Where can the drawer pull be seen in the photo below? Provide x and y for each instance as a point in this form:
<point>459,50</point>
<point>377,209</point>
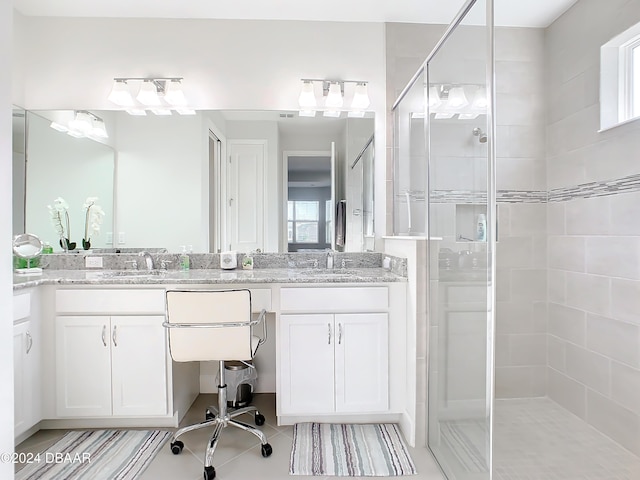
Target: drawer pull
<point>104,335</point>
<point>114,335</point>
<point>329,327</point>
<point>339,334</point>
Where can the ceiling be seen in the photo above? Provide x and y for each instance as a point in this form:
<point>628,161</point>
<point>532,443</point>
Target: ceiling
<point>521,13</point>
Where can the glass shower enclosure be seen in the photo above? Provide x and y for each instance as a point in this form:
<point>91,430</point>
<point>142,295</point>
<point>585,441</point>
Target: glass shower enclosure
<point>444,188</point>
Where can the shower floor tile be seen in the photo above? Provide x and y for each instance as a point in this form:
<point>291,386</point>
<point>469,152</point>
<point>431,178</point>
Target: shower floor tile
<point>537,439</point>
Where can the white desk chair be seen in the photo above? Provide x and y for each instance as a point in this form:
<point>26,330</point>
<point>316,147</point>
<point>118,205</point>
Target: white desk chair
<point>206,325</point>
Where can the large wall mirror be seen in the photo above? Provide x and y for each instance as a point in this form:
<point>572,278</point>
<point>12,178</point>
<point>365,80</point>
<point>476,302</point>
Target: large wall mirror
<point>168,181</point>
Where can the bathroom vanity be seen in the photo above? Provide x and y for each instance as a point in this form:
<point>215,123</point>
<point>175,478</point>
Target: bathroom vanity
<point>91,350</point>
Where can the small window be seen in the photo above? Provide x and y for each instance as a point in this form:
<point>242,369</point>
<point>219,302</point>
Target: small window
<point>620,79</point>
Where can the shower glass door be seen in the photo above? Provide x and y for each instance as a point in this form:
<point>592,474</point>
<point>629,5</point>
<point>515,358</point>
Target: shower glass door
<point>460,203</point>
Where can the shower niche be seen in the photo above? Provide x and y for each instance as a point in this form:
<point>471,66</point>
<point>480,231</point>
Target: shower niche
<point>471,223</point>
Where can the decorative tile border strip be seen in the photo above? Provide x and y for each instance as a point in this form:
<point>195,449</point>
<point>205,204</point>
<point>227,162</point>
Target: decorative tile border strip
<point>627,184</point>
<point>475,197</point>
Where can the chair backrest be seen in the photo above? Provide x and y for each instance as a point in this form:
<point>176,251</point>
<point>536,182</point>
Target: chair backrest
<point>190,344</point>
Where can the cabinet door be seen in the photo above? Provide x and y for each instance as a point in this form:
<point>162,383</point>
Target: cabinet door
<point>362,377</point>
<point>21,396</point>
<point>138,358</point>
<point>83,366</point>
<point>306,368</point>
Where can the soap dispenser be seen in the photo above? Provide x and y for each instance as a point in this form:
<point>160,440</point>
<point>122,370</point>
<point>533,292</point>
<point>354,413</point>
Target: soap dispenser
<point>184,259</point>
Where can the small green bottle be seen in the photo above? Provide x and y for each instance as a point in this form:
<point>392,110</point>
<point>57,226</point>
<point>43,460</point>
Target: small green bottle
<point>184,260</point>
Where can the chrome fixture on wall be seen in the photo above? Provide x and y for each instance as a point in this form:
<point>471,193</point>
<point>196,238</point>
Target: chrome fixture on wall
<point>332,93</point>
<point>482,137</point>
<point>82,124</point>
<point>158,95</point>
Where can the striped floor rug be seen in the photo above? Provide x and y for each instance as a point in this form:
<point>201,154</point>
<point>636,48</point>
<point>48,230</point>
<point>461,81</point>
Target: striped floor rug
<point>349,450</point>
<point>96,455</point>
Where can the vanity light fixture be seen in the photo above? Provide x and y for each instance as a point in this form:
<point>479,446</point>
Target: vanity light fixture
<point>434,98</point>
<point>452,100</point>
<point>121,94</point>
<point>355,114</point>
<point>360,97</point>
<point>307,97</point>
<point>148,93</point>
<point>335,93</point>
<point>480,98</point>
<point>334,96</point>
<point>82,124</point>
<point>159,95</point>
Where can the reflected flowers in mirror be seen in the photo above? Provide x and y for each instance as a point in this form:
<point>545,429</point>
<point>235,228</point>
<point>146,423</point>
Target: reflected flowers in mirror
<point>59,215</point>
<point>92,220</point>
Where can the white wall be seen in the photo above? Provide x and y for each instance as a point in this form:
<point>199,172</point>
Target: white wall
<point>6,278</point>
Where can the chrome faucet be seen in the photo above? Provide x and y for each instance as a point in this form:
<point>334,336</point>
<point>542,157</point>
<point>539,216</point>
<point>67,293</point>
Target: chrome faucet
<point>148,259</point>
<point>330,259</point>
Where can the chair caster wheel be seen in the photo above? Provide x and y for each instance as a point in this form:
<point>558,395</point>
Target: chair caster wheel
<point>208,415</point>
<point>266,450</point>
<point>176,447</point>
<point>259,419</point>
<point>209,473</point>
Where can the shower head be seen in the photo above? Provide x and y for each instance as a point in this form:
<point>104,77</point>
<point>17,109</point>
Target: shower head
<point>482,137</point>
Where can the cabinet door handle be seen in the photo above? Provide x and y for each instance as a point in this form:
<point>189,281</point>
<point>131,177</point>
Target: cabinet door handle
<point>339,334</point>
<point>329,327</point>
<point>104,335</point>
<point>29,342</point>
<point>114,335</point>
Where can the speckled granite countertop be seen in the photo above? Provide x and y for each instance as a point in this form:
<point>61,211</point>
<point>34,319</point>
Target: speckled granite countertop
<point>207,276</point>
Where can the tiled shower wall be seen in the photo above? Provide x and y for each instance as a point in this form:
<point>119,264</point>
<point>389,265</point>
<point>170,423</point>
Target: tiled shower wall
<point>594,230</point>
<point>521,256</point>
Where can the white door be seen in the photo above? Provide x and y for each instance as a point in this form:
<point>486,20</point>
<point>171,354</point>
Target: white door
<point>362,377</point>
<point>246,195</point>
<point>20,345</point>
<point>138,358</point>
<point>83,366</point>
<point>306,369</point>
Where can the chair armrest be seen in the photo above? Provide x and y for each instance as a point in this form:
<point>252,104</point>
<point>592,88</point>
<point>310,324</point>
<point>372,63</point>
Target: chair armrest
<point>262,319</point>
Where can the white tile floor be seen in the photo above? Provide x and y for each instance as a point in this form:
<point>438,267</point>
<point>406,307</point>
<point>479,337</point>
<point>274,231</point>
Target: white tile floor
<point>237,456</point>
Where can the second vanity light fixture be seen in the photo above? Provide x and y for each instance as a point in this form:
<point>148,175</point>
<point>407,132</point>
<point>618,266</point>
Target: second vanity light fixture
<point>158,95</point>
<point>332,93</point>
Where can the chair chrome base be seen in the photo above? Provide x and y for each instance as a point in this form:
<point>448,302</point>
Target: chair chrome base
<point>221,418</point>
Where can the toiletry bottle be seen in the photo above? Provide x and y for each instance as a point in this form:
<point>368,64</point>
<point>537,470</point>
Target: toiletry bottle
<point>481,232</point>
<point>184,259</point>
<point>47,248</point>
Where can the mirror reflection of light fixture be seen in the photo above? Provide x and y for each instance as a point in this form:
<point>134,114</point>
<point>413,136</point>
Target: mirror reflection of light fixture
<point>480,98</point>
<point>434,98</point>
<point>457,98</point>
<point>335,92</point>
<point>82,124</point>
<point>161,95</point>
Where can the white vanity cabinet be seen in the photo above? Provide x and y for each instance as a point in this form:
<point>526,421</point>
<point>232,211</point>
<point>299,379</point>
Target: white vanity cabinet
<point>334,362</point>
<point>27,362</point>
<point>111,354</point>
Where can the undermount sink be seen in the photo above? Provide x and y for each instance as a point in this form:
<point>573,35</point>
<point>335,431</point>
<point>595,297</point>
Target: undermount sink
<point>327,271</point>
<point>133,273</point>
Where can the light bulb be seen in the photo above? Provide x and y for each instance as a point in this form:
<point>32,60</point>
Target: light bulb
<point>148,94</point>
<point>334,97</point>
<point>173,93</point>
<point>120,94</point>
<point>307,97</point>
<point>457,98</point>
<point>360,97</point>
